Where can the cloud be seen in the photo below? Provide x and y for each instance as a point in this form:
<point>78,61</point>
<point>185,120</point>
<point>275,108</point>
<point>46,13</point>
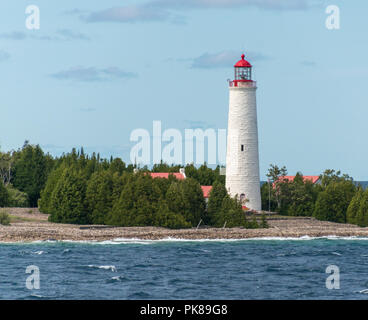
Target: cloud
<point>60,35</point>
<point>308,63</point>
<point>223,59</point>
<point>211,4</point>
<point>127,14</point>
<point>75,12</point>
<point>68,34</point>
<point>4,55</point>
<point>167,10</point>
<point>15,35</point>
<point>92,74</point>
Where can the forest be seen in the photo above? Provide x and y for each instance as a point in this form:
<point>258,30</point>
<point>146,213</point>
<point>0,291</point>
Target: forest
<point>87,189</point>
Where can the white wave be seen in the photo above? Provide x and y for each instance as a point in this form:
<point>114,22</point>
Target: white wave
<point>38,252</point>
<point>171,239</point>
<point>112,268</point>
<point>336,253</point>
<point>365,291</point>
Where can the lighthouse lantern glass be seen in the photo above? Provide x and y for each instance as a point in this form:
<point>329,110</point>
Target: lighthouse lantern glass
<point>243,73</point>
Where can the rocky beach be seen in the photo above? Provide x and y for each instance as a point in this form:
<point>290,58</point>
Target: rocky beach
<point>29,225</point>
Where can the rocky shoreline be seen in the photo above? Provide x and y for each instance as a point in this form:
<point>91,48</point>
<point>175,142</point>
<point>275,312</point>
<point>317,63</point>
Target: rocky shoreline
<point>28,225</point>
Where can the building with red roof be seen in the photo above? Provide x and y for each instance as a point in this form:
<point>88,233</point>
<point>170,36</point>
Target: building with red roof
<point>180,176</point>
<point>206,191</point>
<point>165,175</point>
<point>313,179</point>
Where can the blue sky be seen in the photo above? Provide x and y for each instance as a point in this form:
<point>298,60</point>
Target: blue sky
<point>96,70</point>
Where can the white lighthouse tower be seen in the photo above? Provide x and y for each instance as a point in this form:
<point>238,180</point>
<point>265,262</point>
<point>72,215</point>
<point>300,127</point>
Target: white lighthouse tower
<point>242,159</point>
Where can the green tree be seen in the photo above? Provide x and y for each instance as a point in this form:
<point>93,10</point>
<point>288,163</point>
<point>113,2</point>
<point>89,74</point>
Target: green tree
<point>362,214</point>
<point>333,202</point>
<point>330,176</point>
<point>17,199</point>
<point>99,196</point>
<point>353,208</point>
<point>268,197</point>
<point>137,204</point>
<point>68,198</point>
<point>6,164</point>
<point>186,198</point>
<point>30,172</point>
<point>264,223</point>
<point>45,195</point>
<point>4,195</point>
<point>231,214</point>
<point>302,197</point>
<point>195,204</point>
<point>216,197</point>
<point>275,176</point>
<point>117,165</point>
<point>168,219</point>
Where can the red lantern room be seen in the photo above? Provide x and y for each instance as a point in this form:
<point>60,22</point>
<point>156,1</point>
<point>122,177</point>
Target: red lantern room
<point>243,73</point>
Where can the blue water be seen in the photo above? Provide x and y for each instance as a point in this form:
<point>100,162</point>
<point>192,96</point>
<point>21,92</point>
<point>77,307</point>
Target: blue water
<point>248,269</point>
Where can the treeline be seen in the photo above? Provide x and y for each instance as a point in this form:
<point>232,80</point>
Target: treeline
<point>335,197</point>
<point>89,190</point>
<point>23,174</point>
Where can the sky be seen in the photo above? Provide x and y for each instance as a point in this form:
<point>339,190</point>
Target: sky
<point>97,70</point>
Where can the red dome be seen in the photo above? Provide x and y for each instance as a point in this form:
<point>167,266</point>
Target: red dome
<point>242,63</point>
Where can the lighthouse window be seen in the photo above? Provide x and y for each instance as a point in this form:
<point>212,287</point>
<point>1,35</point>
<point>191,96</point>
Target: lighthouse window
<point>242,147</point>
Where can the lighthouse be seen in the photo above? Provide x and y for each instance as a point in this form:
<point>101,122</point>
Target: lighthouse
<point>242,158</point>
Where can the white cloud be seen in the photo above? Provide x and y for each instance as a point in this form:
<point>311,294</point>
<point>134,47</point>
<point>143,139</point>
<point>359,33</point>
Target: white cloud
<point>127,14</point>
<point>223,59</point>
<point>167,10</point>
<point>91,74</point>
<point>262,4</point>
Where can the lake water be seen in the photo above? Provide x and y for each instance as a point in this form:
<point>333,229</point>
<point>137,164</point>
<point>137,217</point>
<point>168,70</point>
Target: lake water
<point>245,269</point>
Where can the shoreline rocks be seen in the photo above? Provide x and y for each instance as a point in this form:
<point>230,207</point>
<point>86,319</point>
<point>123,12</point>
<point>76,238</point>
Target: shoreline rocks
<point>29,227</point>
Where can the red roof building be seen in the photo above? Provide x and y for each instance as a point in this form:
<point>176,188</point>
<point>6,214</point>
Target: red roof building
<point>165,175</point>
<point>313,179</point>
<point>206,191</point>
<point>180,176</point>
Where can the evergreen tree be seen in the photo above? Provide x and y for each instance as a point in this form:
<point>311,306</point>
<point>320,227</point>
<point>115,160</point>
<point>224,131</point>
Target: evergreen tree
<point>194,202</point>
<point>333,202</point>
<point>264,223</point>
<point>45,196</point>
<point>137,203</point>
<point>17,199</point>
<point>268,199</point>
<point>168,219</point>
<point>4,195</point>
<point>175,198</point>
<point>99,196</point>
<point>117,165</point>
<point>216,197</point>
<point>68,199</point>
<point>30,172</point>
<point>302,197</point>
<point>231,214</point>
<point>353,208</point>
<point>362,214</point>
